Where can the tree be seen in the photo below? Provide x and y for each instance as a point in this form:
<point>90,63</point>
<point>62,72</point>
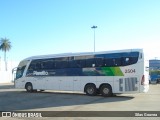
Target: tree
<point>5,45</point>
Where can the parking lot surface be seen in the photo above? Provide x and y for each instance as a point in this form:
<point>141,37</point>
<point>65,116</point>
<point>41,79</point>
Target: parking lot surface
<point>19,100</point>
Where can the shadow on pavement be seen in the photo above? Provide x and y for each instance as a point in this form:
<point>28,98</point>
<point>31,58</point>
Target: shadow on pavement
<point>21,100</point>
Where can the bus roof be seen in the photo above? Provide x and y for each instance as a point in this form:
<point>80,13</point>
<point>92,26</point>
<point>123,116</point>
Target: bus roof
<point>82,53</point>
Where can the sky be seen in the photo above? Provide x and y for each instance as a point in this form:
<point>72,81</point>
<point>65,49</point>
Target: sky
<point>37,27</point>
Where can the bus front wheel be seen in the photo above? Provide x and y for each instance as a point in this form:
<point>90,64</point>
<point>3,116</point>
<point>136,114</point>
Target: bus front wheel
<point>106,90</point>
<point>29,87</point>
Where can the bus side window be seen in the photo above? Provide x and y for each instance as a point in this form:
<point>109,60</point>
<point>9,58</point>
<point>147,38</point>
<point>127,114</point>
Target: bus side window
<point>38,66</point>
<point>90,62</point>
<point>33,65</point>
<point>47,64</point>
<point>80,63</point>
<point>113,60</point>
<point>109,62</point>
<point>133,60</point>
<point>61,62</point>
<point>72,64</point>
<point>129,60</point>
<point>125,61</point>
<point>117,61</point>
<point>99,60</point>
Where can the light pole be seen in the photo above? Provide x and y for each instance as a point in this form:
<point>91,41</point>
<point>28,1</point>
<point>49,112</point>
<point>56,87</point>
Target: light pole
<point>94,27</point>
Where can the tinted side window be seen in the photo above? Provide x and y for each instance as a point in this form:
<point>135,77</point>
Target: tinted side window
<point>90,61</point>
<point>112,60</point>
<point>108,62</point>
<point>61,62</point>
<point>117,61</point>
<point>133,60</point>
<point>130,58</point>
<point>72,63</point>
<point>80,63</point>
<point>31,66</point>
<point>35,65</point>
<point>99,60</point>
<point>38,65</point>
<point>47,64</point>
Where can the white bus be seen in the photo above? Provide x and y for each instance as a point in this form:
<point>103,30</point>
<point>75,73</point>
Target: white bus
<point>105,73</point>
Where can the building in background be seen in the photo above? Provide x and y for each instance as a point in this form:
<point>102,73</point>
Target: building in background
<point>154,68</point>
<point>7,76</point>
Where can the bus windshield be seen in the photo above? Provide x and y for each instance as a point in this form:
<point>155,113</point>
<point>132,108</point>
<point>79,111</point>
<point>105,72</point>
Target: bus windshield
<point>20,69</point>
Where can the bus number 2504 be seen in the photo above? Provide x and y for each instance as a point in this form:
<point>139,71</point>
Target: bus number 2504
<point>130,70</point>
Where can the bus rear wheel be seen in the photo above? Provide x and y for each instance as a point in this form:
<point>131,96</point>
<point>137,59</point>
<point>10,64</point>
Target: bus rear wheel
<point>29,87</point>
<point>91,89</point>
<point>106,90</point>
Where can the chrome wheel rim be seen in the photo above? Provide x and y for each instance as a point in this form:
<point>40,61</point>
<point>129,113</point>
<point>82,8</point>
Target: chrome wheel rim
<point>105,90</point>
<point>90,90</point>
<point>29,88</point>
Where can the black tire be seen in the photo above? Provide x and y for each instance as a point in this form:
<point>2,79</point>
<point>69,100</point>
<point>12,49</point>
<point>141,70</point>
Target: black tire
<point>106,90</point>
<point>98,92</point>
<point>29,87</point>
<point>91,89</point>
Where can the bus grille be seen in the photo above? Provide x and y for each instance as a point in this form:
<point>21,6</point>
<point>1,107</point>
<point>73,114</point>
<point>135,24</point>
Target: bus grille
<point>130,84</point>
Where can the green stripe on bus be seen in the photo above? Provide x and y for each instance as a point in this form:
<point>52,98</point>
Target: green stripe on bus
<point>112,71</point>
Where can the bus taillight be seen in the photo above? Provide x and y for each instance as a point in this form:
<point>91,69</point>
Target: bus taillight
<point>143,80</point>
